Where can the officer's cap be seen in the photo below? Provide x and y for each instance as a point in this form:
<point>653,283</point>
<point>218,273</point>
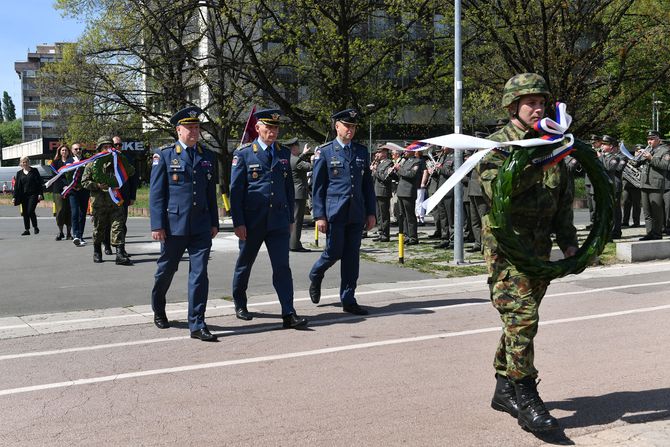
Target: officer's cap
<point>106,139</point>
<point>269,116</point>
<point>187,115</point>
<point>348,116</point>
<point>291,141</point>
<point>653,134</point>
<point>595,137</point>
<point>481,134</point>
<point>639,146</point>
<point>609,140</point>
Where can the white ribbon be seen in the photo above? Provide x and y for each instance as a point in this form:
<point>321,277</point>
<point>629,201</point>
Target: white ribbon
<point>483,146</point>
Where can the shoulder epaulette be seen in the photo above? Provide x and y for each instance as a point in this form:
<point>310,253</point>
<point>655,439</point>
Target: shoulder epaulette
<point>167,146</point>
<point>244,146</point>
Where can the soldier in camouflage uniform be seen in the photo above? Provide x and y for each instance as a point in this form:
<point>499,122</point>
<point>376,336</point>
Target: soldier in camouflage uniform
<point>105,212</point>
<point>541,202</point>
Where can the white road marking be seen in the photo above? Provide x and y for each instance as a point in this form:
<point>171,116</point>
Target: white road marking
<point>291,355</point>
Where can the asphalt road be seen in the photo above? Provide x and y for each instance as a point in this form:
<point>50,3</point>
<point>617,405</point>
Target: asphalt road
<point>417,371</point>
<point>82,363</point>
<point>64,278</point>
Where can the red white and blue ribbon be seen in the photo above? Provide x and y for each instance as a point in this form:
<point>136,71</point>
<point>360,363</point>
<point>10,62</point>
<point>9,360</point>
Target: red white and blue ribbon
<point>554,132</point>
<point>119,173</point>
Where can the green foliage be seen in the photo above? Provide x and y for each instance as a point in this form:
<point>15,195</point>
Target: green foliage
<point>11,132</point>
<point>8,109</point>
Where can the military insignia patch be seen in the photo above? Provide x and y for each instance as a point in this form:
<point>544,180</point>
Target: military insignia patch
<point>174,162</point>
<point>235,160</point>
<point>254,175</point>
<point>175,177</point>
<point>335,172</point>
<point>317,154</point>
<point>666,157</point>
<point>283,161</point>
<point>156,159</point>
<point>275,116</point>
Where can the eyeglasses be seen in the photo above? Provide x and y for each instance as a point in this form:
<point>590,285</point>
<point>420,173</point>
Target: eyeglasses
<point>76,148</point>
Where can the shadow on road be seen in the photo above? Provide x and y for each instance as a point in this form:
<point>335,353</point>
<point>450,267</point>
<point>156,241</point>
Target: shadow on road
<point>633,407</point>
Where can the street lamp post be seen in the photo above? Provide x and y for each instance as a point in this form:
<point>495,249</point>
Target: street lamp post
<point>370,107</point>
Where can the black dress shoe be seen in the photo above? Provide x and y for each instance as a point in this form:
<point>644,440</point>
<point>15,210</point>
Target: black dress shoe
<point>26,233</point>
<point>243,314</point>
<point>445,245</point>
<point>435,236</point>
<point>37,230</point>
<point>649,237</point>
<point>203,334</point>
<point>293,321</point>
<point>161,321</point>
<point>315,291</point>
<point>354,309</point>
<point>381,239</point>
<point>301,250</point>
<point>412,242</point>
<point>474,249</point>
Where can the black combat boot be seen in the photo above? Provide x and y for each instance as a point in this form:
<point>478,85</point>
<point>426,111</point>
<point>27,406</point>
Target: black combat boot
<point>122,249</point>
<point>504,396</point>
<point>120,259</point>
<point>533,415</point>
<point>97,253</point>
<point>108,249</point>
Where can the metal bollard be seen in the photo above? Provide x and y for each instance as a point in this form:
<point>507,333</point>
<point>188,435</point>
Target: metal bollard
<point>401,248</point>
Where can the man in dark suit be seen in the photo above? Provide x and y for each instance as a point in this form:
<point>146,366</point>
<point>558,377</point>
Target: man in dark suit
<point>261,205</point>
<point>300,167</point>
<point>343,199</point>
<point>184,216</point>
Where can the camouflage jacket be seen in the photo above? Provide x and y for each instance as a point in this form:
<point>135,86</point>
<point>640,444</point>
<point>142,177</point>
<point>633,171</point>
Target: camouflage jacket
<point>541,203</point>
<point>99,197</point>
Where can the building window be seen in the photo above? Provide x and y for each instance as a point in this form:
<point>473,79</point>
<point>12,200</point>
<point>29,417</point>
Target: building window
<point>31,111</point>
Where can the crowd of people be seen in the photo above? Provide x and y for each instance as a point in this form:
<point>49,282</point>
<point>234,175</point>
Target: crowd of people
<point>73,191</point>
<point>641,182</point>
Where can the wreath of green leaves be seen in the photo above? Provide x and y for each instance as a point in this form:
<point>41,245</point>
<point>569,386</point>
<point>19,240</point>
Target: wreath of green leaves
<point>519,253</point>
<point>102,170</point>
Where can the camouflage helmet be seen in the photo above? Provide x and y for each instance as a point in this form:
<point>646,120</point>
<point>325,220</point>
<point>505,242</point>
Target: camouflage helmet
<point>524,84</point>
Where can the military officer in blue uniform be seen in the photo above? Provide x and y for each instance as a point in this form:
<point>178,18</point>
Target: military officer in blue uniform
<point>343,205</point>
<point>261,205</point>
<point>184,216</point>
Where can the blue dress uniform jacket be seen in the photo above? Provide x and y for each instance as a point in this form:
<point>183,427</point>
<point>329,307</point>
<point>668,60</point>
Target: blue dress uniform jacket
<point>261,191</point>
<point>183,203</point>
<point>262,199</point>
<point>342,185</point>
<point>343,193</point>
<point>183,191</point>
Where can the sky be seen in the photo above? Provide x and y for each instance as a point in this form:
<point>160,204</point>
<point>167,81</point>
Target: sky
<point>24,24</point>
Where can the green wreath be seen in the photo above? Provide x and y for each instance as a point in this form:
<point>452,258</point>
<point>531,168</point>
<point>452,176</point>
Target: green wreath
<point>515,250</point>
<point>102,170</point>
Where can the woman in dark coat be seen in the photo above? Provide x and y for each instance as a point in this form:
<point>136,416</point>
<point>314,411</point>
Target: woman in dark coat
<point>27,192</point>
<point>63,214</point>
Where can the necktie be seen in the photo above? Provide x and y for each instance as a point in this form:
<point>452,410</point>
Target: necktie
<point>271,151</point>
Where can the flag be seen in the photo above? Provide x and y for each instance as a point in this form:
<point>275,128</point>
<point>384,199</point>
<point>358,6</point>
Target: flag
<point>250,133</point>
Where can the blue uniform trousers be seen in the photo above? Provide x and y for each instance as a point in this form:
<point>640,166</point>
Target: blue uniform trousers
<point>343,241</point>
<point>198,246</point>
<point>276,242</point>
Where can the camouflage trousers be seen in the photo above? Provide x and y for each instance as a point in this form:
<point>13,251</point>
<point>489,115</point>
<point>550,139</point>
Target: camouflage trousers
<point>517,298</point>
<point>104,217</point>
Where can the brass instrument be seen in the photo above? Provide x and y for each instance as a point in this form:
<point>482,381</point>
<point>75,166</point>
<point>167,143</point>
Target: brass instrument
<point>631,174</point>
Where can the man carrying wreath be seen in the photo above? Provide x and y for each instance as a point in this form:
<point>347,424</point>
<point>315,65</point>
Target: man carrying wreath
<point>98,178</point>
<point>541,204</point>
